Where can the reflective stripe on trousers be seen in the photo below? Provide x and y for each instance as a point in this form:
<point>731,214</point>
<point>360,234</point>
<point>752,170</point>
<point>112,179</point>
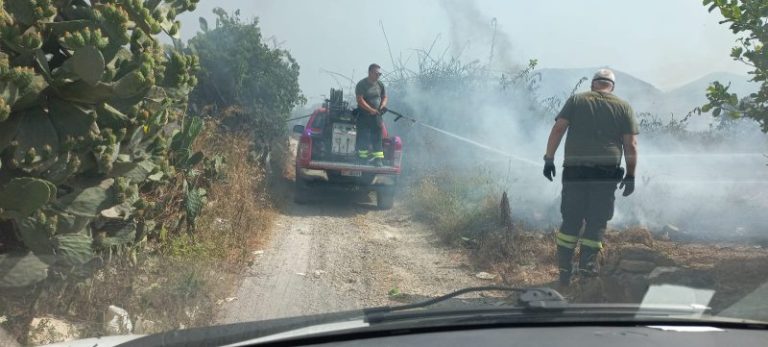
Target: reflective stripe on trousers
<point>569,241</point>
<point>591,243</point>
<point>566,240</point>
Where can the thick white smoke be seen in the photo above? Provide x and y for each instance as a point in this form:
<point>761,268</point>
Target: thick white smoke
<point>708,183</point>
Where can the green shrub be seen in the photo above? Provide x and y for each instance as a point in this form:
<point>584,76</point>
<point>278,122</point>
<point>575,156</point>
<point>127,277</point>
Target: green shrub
<point>239,70</point>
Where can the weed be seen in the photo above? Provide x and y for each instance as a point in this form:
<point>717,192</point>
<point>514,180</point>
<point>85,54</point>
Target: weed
<point>394,292</point>
<point>185,246</point>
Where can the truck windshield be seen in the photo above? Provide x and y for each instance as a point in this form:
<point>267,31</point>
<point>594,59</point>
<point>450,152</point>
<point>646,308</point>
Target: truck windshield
<point>319,121</point>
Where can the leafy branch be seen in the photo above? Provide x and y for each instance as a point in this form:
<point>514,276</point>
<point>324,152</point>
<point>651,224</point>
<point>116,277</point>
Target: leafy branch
<point>747,18</point>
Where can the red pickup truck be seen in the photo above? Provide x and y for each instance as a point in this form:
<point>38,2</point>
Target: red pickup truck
<point>326,156</point>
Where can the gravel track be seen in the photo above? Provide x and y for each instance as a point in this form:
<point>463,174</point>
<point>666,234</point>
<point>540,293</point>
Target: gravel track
<point>336,255</point>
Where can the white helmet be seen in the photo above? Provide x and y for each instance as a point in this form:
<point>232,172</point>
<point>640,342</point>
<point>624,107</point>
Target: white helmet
<point>604,75</point>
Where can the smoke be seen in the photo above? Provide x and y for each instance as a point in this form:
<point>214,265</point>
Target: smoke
<point>474,34</point>
<point>711,184</point>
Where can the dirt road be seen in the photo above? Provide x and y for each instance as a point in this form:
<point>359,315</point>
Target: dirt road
<point>335,255</point>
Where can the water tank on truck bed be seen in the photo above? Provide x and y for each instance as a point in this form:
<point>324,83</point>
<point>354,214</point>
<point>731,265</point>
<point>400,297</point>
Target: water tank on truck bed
<point>326,157</point>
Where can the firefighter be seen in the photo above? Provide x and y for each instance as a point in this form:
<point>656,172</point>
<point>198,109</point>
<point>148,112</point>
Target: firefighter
<point>371,100</point>
<point>601,127</point>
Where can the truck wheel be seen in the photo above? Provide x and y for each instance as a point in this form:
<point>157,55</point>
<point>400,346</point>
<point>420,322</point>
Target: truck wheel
<point>300,192</point>
<point>385,198</point>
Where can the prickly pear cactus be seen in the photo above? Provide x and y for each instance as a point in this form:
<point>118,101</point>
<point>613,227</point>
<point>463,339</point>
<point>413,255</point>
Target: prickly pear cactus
<point>86,94</point>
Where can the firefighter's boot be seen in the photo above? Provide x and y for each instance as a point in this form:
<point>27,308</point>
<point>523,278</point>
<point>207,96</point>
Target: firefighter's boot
<point>565,264</point>
<point>588,263</point>
<point>362,157</point>
<point>377,159</point>
<point>565,245</point>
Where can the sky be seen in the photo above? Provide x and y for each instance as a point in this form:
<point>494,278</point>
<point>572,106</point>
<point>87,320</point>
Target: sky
<point>665,42</point>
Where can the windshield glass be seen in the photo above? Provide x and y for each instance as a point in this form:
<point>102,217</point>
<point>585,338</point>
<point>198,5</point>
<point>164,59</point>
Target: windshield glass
<point>319,121</point>
<point>152,177</point>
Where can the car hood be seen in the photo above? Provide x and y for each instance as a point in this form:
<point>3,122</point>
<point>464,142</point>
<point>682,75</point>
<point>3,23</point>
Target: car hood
<point>104,341</point>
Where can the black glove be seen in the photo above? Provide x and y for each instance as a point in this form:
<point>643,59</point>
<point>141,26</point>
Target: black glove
<point>628,184</point>
<point>549,168</point>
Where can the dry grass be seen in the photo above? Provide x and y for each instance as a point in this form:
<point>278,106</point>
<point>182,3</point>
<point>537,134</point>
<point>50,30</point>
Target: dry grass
<point>638,235</point>
<point>523,259</point>
<point>467,212</point>
<point>235,222</point>
<point>458,208</point>
<point>732,270</point>
<point>464,212</point>
<point>239,213</point>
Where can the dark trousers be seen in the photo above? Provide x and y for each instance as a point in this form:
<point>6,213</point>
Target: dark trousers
<point>369,133</point>
<point>587,201</point>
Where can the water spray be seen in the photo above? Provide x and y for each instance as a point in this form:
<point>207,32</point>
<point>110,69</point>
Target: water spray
<point>463,139</point>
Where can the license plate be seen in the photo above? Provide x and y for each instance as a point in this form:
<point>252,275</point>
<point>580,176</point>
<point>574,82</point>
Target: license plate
<point>354,173</point>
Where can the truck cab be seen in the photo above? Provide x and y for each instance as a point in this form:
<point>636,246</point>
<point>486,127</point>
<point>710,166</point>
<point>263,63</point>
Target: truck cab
<point>326,156</point>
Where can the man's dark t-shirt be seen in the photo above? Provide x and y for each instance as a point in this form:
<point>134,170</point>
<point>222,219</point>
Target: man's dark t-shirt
<point>597,123</point>
<point>372,92</point>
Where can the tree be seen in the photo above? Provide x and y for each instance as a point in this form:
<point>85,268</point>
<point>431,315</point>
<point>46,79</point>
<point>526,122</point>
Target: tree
<point>747,18</point>
<point>239,69</point>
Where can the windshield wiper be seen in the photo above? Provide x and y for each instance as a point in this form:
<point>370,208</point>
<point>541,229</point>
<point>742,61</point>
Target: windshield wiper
<point>537,302</point>
<point>538,297</point>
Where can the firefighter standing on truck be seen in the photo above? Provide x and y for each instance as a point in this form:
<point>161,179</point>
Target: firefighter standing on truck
<point>600,128</point>
<point>371,100</point>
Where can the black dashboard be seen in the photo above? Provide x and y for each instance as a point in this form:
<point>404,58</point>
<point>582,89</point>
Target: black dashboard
<point>677,336</point>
